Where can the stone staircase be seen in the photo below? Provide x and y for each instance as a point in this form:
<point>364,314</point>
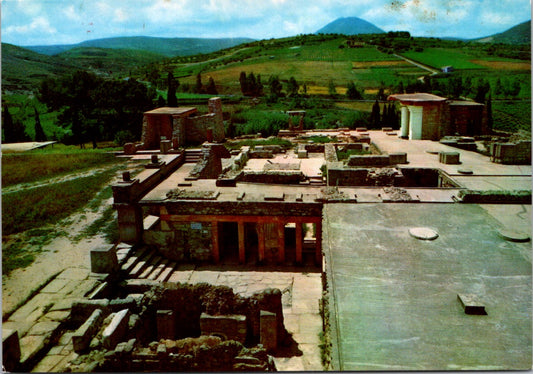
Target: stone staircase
<point>316,181</point>
<point>145,263</point>
<point>193,155</point>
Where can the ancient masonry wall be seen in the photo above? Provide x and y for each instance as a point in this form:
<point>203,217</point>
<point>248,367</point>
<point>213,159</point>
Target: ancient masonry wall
<point>182,241</point>
<point>432,118</point>
<point>244,208</point>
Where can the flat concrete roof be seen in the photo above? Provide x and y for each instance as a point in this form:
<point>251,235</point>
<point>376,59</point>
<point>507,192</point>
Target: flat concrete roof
<point>172,110</point>
<point>416,98</point>
<point>393,298</point>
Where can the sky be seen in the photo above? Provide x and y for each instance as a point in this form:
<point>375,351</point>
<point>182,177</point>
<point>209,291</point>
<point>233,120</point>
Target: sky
<point>48,22</point>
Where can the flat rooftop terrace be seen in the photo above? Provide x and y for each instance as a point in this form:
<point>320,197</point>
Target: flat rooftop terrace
<point>393,298</point>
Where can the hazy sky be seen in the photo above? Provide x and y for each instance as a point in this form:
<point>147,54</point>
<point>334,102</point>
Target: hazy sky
<point>44,22</point>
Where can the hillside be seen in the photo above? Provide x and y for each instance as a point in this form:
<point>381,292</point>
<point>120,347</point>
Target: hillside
<point>112,60</point>
<point>350,26</point>
<point>22,69</point>
<point>519,34</point>
<point>168,47</point>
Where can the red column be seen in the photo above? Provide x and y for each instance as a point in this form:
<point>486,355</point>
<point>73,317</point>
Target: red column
<point>242,248</point>
<point>299,242</point>
<point>281,242</point>
<point>214,241</point>
<point>261,241</point>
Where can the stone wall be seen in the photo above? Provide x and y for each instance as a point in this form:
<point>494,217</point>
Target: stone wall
<point>272,176</point>
<point>182,241</point>
<point>511,153</point>
<point>330,153</point>
<point>210,165</point>
<point>154,332</point>
<point>432,120</point>
<point>244,208</point>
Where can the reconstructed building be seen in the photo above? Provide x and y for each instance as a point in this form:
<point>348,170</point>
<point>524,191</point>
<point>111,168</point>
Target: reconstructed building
<point>431,117</point>
<point>182,125</point>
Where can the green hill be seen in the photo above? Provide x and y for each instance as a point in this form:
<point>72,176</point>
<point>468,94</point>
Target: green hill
<point>519,34</point>
<point>168,47</point>
<point>350,26</point>
<point>22,69</point>
<point>112,60</point>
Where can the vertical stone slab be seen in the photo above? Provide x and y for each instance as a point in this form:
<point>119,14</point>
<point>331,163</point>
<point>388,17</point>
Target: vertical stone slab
<point>10,349</point>
<point>166,324</point>
<point>318,249</point>
<point>116,330</point>
<point>268,336</point>
<point>104,260</point>
<point>83,335</point>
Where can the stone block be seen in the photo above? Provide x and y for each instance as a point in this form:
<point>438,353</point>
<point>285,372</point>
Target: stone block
<point>449,158</point>
<point>10,350</point>
<point>302,153</point>
<point>118,304</point>
<point>166,324</point>
<point>116,330</point>
<point>361,129</point>
<point>268,330</point>
<point>82,309</point>
<point>84,334</point>
<point>471,305</point>
<point>386,129</point>
<point>228,327</point>
<point>130,148</point>
<point>165,146</point>
<point>104,260</point>
<point>398,158</point>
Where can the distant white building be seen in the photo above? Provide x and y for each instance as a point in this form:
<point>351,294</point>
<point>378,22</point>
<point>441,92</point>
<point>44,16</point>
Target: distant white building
<point>447,69</point>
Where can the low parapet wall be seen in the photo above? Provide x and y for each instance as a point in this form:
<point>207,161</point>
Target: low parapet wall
<point>511,153</point>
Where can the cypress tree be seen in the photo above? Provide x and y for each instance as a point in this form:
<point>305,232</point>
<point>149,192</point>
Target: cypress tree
<point>40,136</point>
<point>172,101</point>
<point>375,115</point>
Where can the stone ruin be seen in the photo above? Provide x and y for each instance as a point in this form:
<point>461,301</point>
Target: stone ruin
<point>177,327</point>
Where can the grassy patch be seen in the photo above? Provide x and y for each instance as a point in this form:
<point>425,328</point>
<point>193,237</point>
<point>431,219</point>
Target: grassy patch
<point>26,209</point>
<point>439,57</point>
<point>20,252</point>
<point>253,142</point>
<point>34,166</point>
<point>321,139</point>
<point>343,155</point>
<point>99,225</point>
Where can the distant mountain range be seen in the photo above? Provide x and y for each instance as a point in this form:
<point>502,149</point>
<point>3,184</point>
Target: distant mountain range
<point>519,34</point>
<point>168,47</point>
<point>350,26</point>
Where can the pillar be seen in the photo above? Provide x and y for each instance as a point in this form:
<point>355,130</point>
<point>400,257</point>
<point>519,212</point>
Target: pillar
<point>214,241</point>
<point>281,242</point>
<point>261,241</point>
<point>130,223</point>
<point>415,122</point>
<point>318,244</point>
<point>404,128</point>
<point>299,242</point>
<point>242,248</point>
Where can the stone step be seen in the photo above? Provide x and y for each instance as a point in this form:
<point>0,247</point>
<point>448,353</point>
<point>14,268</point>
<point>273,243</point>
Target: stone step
<point>167,272</point>
<point>141,264</point>
<point>158,270</point>
<point>133,259</point>
<point>151,266</point>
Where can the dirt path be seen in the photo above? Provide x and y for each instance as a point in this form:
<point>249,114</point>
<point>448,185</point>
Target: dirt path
<point>60,253</point>
<point>64,178</point>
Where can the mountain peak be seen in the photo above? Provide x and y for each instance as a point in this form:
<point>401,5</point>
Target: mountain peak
<point>350,26</point>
